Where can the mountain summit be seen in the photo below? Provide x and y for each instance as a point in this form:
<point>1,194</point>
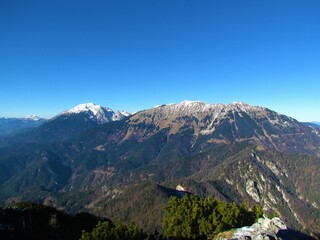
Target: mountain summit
<point>33,118</point>
<point>187,107</point>
<point>230,151</point>
<point>96,113</point>
<point>226,123</point>
<point>70,123</point>
<point>211,112</point>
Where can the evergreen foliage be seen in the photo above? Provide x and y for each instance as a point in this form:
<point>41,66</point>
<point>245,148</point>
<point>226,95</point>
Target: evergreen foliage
<point>193,218</point>
<point>106,231</point>
<point>26,220</point>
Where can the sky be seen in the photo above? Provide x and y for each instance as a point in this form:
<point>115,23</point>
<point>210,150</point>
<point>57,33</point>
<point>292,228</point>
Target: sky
<point>135,54</point>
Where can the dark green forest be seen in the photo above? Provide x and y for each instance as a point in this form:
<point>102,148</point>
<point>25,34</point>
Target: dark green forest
<point>26,220</point>
<point>189,217</point>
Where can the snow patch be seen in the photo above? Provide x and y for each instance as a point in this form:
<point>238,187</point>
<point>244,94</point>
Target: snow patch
<point>180,188</point>
<point>32,117</point>
<point>125,113</point>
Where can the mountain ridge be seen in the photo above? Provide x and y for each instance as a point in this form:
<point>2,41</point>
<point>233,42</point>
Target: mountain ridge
<point>69,123</point>
<point>233,152</point>
<point>91,107</point>
<point>9,126</point>
<point>96,112</point>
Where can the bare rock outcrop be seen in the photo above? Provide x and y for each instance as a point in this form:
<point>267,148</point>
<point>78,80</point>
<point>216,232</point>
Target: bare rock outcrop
<point>264,229</point>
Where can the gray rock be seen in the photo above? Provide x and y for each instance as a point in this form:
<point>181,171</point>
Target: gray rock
<point>264,229</point>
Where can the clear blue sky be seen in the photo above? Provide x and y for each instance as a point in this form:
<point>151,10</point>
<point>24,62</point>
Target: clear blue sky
<point>132,55</point>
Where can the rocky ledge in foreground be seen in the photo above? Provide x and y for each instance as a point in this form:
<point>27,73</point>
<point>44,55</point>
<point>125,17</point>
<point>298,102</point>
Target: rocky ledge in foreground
<point>264,229</point>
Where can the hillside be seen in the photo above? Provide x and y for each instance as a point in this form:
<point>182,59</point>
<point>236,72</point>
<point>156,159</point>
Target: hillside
<point>233,152</point>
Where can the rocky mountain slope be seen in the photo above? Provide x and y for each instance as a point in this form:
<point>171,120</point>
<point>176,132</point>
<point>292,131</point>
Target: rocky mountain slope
<point>233,152</point>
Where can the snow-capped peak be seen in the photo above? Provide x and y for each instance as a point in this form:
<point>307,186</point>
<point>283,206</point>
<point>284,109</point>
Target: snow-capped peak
<point>125,113</point>
<point>32,117</point>
<point>96,113</point>
<point>86,107</point>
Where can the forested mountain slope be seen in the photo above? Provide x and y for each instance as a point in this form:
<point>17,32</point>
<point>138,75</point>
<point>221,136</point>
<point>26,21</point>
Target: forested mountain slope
<point>233,152</point>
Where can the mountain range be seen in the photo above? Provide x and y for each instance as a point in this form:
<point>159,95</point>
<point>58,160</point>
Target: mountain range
<point>313,124</point>
<point>126,166</point>
<point>68,124</point>
<point>15,125</point>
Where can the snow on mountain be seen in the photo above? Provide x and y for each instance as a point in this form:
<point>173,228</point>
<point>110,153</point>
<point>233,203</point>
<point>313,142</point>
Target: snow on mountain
<point>15,125</point>
<point>192,107</point>
<point>198,108</point>
<point>86,107</point>
<point>96,113</point>
<point>33,118</point>
<point>29,118</point>
<point>125,113</point>
<point>206,117</point>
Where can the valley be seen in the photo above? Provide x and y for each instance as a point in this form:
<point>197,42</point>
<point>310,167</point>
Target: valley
<point>127,166</point>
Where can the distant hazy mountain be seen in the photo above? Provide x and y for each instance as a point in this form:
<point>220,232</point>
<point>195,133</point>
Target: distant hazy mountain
<point>70,123</point>
<point>233,152</point>
<point>15,125</point>
<point>312,124</point>
<point>316,123</point>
